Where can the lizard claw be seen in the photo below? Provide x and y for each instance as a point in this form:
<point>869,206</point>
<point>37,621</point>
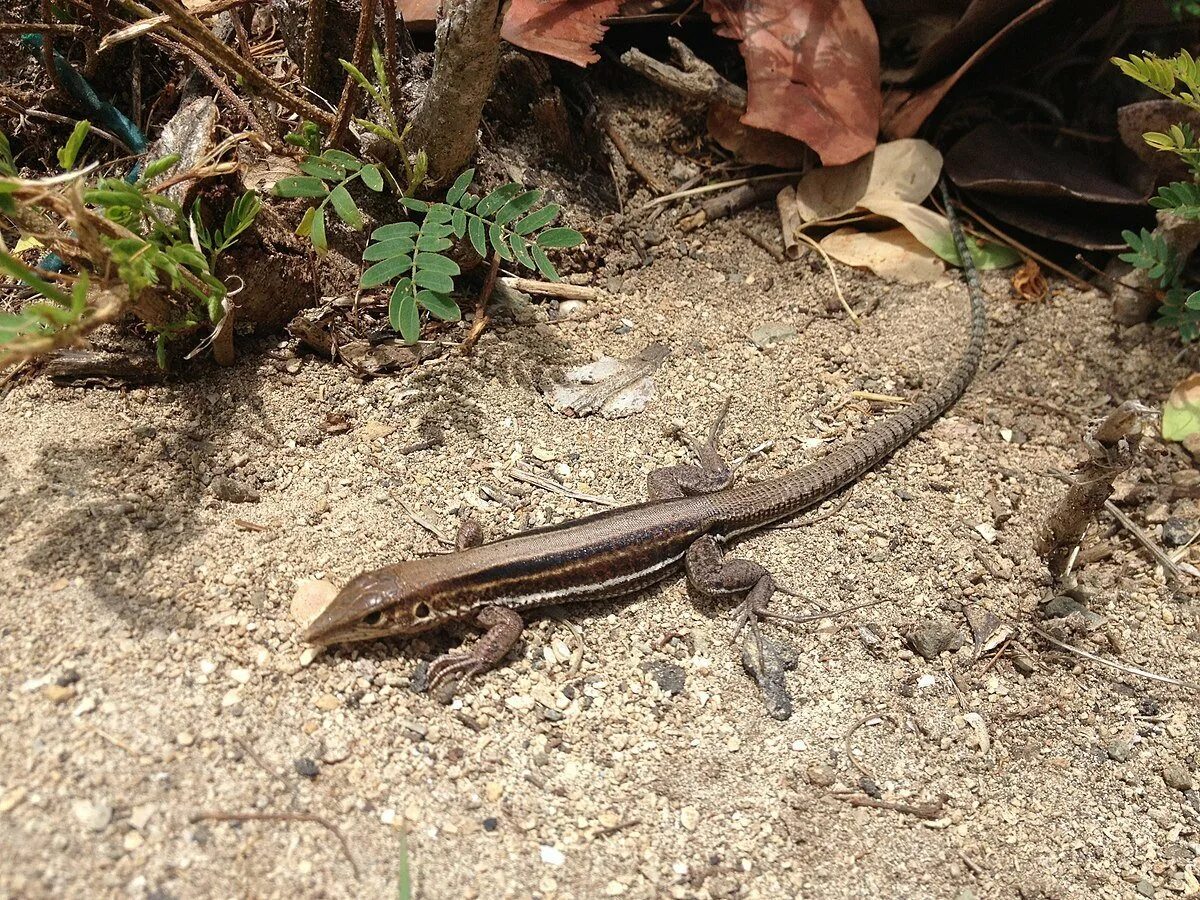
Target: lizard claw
<point>457,667</point>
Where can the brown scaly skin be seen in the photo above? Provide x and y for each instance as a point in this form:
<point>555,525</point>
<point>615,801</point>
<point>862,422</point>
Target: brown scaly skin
<point>691,514</point>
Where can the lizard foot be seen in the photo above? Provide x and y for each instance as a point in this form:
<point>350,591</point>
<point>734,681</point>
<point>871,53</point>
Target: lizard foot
<point>457,667</point>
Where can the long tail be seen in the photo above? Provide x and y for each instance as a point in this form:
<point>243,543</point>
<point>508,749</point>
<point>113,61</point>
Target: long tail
<point>793,493</point>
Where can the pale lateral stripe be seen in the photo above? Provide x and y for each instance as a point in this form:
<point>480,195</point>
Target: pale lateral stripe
<point>583,590</point>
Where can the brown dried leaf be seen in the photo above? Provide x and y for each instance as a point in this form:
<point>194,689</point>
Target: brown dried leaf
<point>894,254</point>
<point>1029,282</point>
<point>812,70</point>
<point>564,29</point>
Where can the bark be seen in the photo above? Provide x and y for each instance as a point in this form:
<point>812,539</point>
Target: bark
<point>466,57</point>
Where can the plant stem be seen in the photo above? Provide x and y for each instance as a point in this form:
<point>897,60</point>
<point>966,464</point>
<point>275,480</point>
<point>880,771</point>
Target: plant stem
<point>345,110</point>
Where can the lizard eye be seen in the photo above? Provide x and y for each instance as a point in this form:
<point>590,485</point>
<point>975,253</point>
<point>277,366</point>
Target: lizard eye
<point>372,618</point>
<point>421,610</point>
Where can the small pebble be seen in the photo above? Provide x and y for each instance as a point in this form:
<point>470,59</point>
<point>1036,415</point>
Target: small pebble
<point>552,856</point>
<point>93,816</point>
<point>689,818</point>
<point>305,767</point>
<point>1177,776</point>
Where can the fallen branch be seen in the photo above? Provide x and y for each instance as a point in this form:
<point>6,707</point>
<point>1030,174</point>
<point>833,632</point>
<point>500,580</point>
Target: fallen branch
<point>694,78</point>
<point>190,31</point>
<point>282,817</point>
<point>551,288</point>
<point>1111,448</point>
<point>726,204</point>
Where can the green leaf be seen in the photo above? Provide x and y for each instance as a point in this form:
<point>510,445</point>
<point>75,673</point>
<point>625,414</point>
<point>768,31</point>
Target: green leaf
<point>395,230</point>
<point>476,233</point>
<point>543,263</point>
<point>159,166</point>
<point>1181,412</point>
<point>496,239</point>
<point>304,229</point>
<point>300,186</point>
<point>419,169</point>
<point>433,243</point>
<point>559,238</point>
<point>343,205</point>
<point>539,219</point>
<point>342,159</point>
<point>497,199</point>
<point>517,206</point>
<point>520,249</point>
<point>467,201</point>
<point>458,221</point>
<point>414,204</point>
<point>385,271</point>
<point>313,166</point>
<point>372,178</point>
<point>69,151</point>
<point>434,262</point>
<point>389,249</point>
<point>435,281</point>
<point>317,234</point>
<point>355,73</point>
<point>402,311</point>
<point>440,305</point>
<point>461,183</point>
<point>439,214</point>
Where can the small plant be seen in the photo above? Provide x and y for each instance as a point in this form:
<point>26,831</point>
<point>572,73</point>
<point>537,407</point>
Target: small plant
<point>1150,252</point>
<point>124,237</point>
<point>341,169</point>
<point>507,222</point>
<point>320,169</point>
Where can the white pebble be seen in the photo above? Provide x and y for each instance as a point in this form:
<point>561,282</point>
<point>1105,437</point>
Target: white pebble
<point>552,856</point>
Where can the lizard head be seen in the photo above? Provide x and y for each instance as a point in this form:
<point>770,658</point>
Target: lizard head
<point>389,601</point>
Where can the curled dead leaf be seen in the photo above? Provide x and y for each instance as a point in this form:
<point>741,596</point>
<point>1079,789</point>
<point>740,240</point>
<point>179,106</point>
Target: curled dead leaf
<point>1029,282</point>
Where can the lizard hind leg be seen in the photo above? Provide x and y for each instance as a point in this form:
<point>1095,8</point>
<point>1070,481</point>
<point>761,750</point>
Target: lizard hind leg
<point>713,574</point>
<point>712,475</point>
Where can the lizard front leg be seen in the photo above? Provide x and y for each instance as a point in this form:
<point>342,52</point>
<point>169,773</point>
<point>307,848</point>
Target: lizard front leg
<point>712,475</point>
<point>503,629</point>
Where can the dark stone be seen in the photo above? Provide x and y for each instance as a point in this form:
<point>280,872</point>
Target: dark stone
<point>490,824</point>
<point>225,488</point>
<point>670,678</point>
<point>1176,531</point>
<point>305,767</point>
<point>1062,606</point>
<point>67,678</point>
<point>931,639</point>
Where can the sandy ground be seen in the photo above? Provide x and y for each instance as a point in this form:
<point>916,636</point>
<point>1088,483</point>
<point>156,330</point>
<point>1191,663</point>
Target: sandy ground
<point>151,670</point>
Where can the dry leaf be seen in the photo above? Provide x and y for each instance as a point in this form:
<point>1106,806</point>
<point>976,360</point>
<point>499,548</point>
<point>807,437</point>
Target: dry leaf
<point>1181,412</point>
<point>564,29</point>
<point>891,182</point>
<point>906,110</point>
<point>812,70</point>
<point>1029,282</point>
<point>615,388</point>
<point>901,172</point>
<point>894,254</point>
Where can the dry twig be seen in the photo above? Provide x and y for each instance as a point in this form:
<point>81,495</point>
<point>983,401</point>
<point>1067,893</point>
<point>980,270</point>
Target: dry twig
<point>215,816</point>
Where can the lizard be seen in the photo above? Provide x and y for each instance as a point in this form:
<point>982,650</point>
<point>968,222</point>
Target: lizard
<point>691,514</point>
